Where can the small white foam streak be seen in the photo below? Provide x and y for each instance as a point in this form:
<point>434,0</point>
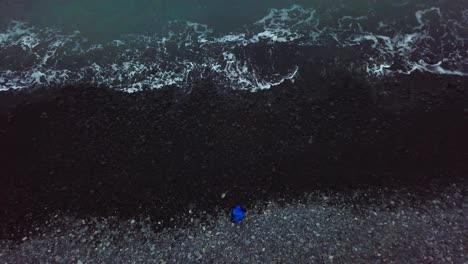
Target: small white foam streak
<point>433,68</point>
<point>421,13</point>
<point>19,34</point>
<point>404,46</point>
<point>247,77</point>
<point>281,25</point>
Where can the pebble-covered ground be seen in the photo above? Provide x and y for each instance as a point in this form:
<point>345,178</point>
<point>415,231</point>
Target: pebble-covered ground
<point>364,226</point>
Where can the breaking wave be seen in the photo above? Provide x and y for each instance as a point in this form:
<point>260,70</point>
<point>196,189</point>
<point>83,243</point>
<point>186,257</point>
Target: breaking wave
<point>256,56</point>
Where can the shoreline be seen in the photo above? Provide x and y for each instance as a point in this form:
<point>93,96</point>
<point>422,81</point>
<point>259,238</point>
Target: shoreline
<point>100,152</point>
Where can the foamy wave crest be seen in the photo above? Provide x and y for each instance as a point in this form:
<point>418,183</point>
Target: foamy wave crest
<point>250,58</point>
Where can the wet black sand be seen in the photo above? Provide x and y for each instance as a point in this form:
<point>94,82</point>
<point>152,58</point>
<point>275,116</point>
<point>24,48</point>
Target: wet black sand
<point>99,152</point>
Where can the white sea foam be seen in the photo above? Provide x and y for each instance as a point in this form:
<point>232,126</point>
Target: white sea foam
<point>189,51</point>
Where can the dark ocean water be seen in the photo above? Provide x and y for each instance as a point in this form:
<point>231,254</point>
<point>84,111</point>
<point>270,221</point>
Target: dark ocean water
<point>139,45</point>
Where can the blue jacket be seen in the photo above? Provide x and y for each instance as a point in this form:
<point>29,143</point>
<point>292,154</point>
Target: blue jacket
<point>237,214</point>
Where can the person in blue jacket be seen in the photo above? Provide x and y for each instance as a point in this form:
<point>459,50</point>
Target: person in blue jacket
<point>237,213</point>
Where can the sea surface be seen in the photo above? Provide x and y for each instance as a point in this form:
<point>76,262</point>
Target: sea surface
<point>258,51</point>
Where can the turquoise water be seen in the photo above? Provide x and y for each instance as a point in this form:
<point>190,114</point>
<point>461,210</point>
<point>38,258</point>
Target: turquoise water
<point>110,18</point>
<point>136,45</point>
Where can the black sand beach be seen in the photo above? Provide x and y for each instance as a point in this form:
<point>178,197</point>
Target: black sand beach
<point>100,152</point>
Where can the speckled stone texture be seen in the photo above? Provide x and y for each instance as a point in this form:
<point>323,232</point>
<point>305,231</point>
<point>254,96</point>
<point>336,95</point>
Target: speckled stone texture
<point>366,226</point>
